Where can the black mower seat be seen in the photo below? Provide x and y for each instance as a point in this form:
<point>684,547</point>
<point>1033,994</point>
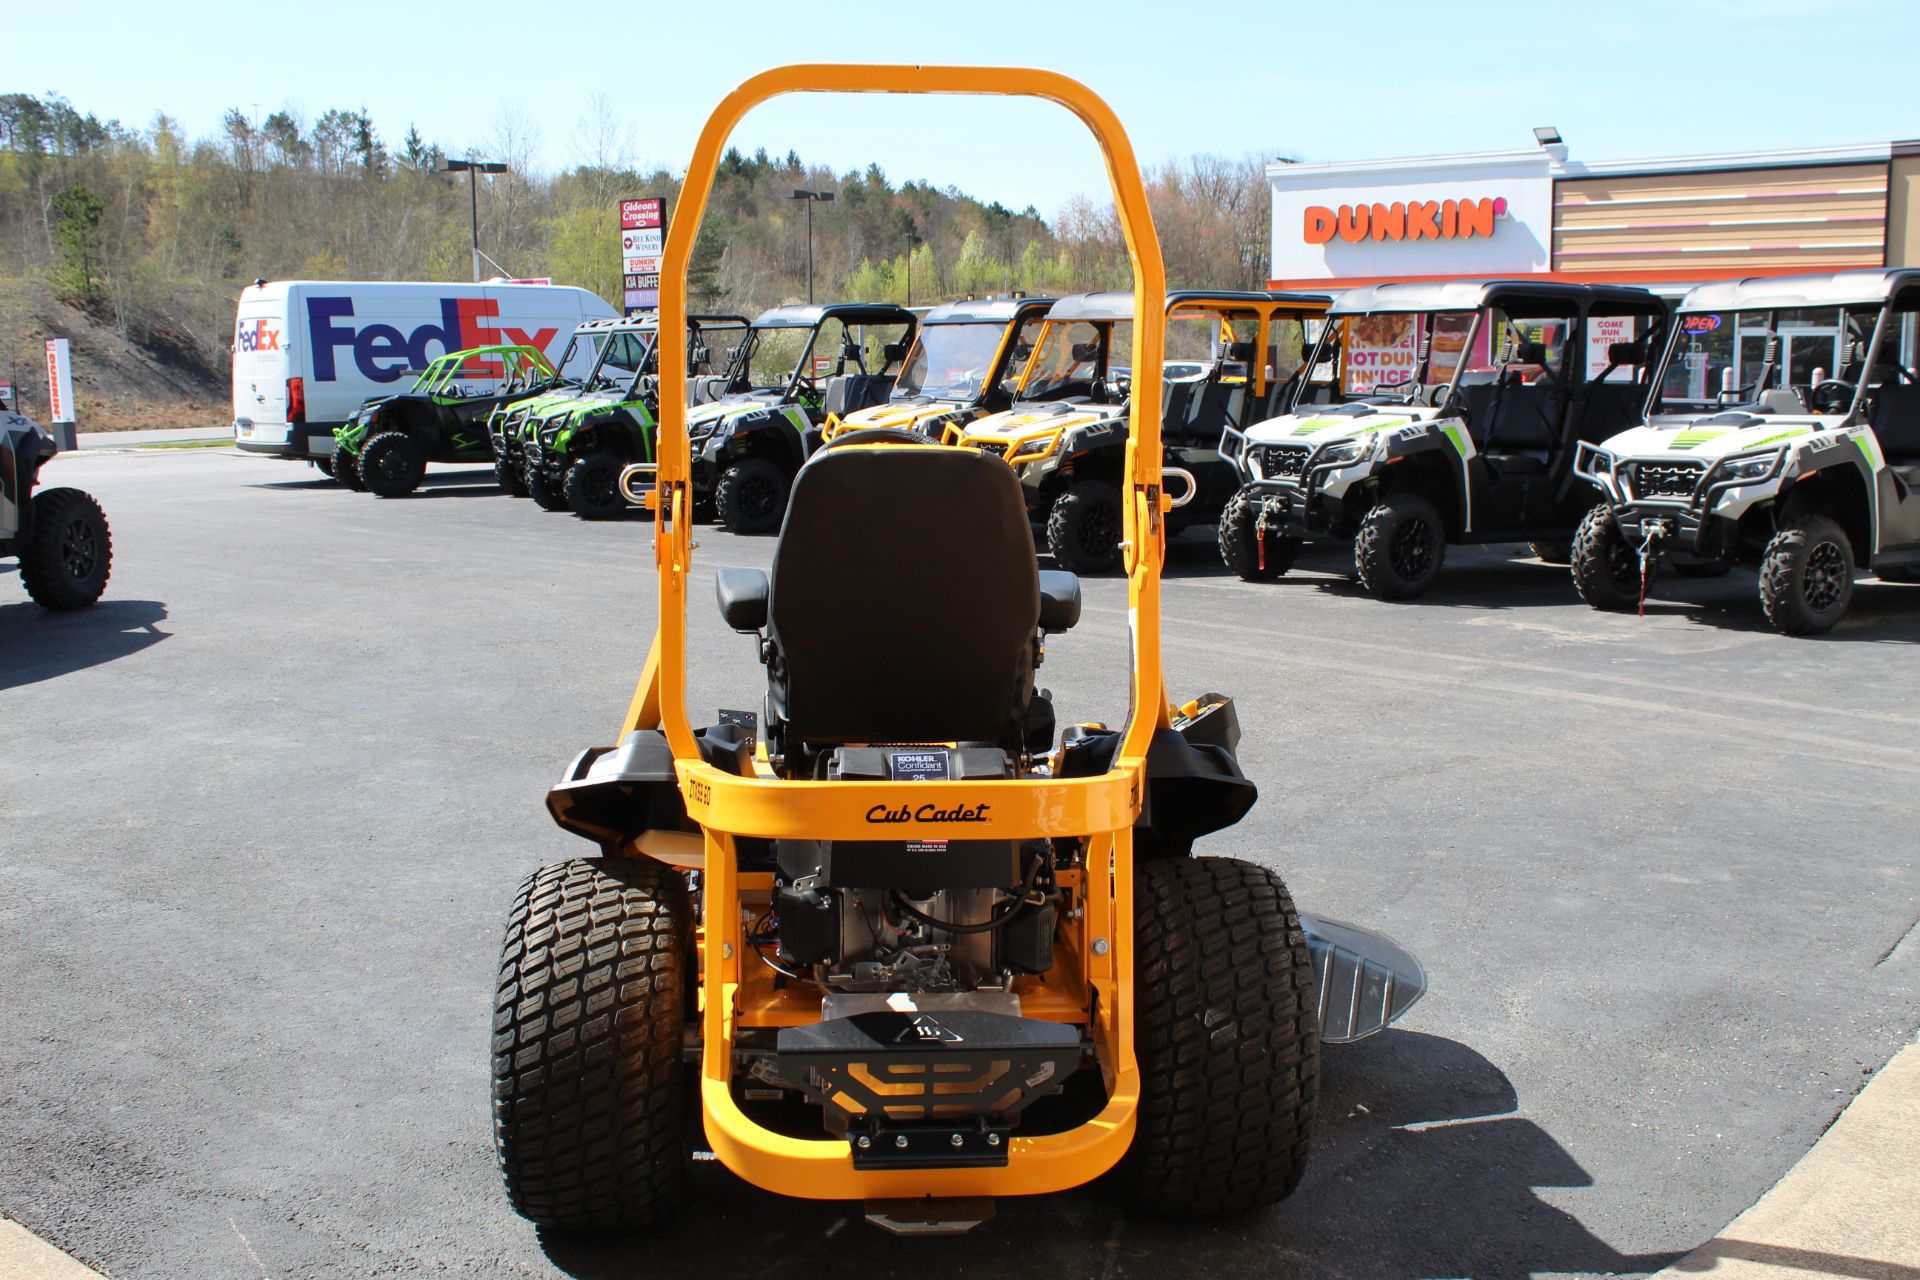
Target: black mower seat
<point>904,600</point>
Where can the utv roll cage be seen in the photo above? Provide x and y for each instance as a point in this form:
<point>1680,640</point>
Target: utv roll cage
<point>813,315</point>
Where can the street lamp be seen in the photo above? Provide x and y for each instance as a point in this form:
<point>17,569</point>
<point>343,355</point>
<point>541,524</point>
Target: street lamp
<point>812,198</point>
<point>912,240</point>
<point>473,169</point>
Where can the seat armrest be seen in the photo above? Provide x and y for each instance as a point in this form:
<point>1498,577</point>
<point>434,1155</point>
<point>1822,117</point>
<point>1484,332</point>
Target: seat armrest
<point>1059,600</point>
<point>743,598</point>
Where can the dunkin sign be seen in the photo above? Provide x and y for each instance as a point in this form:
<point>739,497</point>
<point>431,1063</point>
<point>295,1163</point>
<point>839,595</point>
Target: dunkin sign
<point>1404,220</point>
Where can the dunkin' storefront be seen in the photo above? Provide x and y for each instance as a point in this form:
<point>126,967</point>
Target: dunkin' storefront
<point>1665,224</point>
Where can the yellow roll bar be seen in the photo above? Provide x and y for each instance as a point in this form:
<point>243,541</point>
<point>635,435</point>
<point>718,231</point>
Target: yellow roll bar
<point>1103,809</point>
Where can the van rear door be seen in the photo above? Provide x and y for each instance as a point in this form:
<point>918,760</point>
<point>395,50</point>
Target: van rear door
<point>260,371</point>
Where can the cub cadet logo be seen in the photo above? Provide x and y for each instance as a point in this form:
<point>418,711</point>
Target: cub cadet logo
<point>1411,220</point>
<point>880,813</point>
<point>464,322</point>
<point>256,336</point>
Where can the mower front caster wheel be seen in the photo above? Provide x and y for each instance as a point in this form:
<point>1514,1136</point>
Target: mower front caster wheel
<point>1227,1035</point>
<point>589,1084</point>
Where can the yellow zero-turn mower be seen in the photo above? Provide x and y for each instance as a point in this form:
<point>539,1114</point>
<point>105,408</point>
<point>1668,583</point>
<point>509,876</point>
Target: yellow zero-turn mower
<point>910,947</point>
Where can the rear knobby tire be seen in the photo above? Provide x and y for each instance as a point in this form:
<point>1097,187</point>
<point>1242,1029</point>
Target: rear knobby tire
<point>589,1083</point>
<point>751,497</point>
<point>65,564</point>
<point>1240,541</point>
<point>1400,547</point>
<point>1084,528</point>
<point>1552,551</point>
<point>1227,1034</point>
<point>1606,571</point>
<point>592,487</point>
<point>1806,576</point>
<point>345,469</point>
<point>392,465</point>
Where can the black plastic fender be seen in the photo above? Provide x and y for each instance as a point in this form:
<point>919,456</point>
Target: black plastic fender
<point>612,794</point>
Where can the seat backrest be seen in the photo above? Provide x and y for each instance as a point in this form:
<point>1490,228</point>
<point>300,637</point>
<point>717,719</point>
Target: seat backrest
<point>1524,418</point>
<point>1217,404</point>
<point>1896,422</point>
<point>904,600</point>
<point>852,392</point>
<point>1611,407</point>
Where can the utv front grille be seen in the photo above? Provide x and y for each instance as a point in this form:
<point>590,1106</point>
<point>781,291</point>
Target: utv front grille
<point>992,449</point>
<point>1666,479</point>
<point>1282,461</point>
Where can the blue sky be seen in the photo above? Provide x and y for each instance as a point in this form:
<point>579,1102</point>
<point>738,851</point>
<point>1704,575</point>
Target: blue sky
<point>1316,81</point>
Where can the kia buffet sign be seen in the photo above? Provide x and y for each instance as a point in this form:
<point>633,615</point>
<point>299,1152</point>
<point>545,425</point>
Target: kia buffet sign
<point>1445,216</point>
<point>643,232</point>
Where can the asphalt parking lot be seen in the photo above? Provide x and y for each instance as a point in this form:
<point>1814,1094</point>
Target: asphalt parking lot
<point>265,806</point>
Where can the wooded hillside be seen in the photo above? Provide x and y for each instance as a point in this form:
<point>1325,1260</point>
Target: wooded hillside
<point>153,233</point>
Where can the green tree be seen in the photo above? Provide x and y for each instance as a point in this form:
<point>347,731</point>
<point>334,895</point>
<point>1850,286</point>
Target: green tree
<point>76,237</point>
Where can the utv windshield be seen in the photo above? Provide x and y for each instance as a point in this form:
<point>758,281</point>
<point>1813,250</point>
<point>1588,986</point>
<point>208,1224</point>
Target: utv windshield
<point>773,356</point>
<point>1071,357</point>
<point>1767,361</point>
<point>950,361</point>
<point>623,359</point>
<point>1392,357</point>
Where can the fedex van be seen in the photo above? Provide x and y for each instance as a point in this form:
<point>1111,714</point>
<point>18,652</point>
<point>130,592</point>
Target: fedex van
<point>307,353</point>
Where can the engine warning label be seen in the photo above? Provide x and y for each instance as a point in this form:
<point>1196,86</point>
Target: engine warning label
<point>917,766</point>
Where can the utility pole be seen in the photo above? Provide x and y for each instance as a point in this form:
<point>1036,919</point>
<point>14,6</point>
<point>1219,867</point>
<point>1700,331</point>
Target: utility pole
<point>473,169</point>
<point>812,198</point>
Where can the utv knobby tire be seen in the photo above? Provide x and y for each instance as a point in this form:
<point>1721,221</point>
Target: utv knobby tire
<point>65,564</point>
<point>512,477</point>
<point>1227,1035</point>
<point>546,494</point>
<point>1400,547</point>
<point>1806,576</point>
<point>590,1114</point>
<point>1606,571</point>
<point>392,465</point>
<point>1085,526</point>
<point>1552,551</point>
<point>751,496</point>
<point>345,469</point>
<point>1240,541</point>
<point>592,487</point>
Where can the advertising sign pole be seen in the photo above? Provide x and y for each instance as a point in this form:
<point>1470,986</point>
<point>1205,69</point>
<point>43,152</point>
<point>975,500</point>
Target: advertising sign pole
<point>60,393</point>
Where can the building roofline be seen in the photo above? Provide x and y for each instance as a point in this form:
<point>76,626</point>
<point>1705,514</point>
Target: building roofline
<point>1773,158</point>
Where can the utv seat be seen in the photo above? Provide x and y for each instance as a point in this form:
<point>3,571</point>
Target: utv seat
<point>865,582</point>
<point>1896,423</point>
<point>852,392</point>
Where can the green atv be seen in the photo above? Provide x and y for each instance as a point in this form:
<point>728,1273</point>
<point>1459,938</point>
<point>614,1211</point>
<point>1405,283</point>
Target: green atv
<point>387,443</point>
<point>796,365</point>
<point>573,447</point>
<point>507,422</point>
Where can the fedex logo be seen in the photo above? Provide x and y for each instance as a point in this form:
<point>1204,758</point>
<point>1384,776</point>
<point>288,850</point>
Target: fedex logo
<point>255,336</point>
<point>381,352</point>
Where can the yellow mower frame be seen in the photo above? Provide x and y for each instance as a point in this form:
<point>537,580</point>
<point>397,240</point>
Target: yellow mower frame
<point>1092,982</point>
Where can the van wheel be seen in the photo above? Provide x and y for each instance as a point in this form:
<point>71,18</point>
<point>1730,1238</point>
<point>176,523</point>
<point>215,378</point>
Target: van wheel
<point>592,487</point>
<point>1227,1033</point>
<point>1806,576</point>
<point>65,564</point>
<point>1084,527</point>
<point>345,468</point>
<point>590,1087</point>
<point>392,465</point>
<point>512,478</point>
<point>1606,571</point>
<point>1240,541</point>
<point>1400,547</point>
<point>751,496</point>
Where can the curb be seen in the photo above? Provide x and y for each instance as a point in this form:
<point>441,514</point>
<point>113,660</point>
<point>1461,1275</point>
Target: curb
<point>1848,1208</point>
<point>25,1256</point>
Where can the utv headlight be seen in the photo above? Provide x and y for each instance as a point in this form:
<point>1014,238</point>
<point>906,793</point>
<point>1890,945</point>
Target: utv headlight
<point>1598,462</point>
<point>1346,451</point>
<point>1747,468</point>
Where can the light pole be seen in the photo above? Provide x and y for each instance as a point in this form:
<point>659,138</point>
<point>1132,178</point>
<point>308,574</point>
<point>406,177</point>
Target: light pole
<point>473,169</point>
<point>912,240</point>
<point>812,198</point>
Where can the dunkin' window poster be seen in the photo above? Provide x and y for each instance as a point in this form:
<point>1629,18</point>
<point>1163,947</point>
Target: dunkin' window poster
<point>1380,349</point>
